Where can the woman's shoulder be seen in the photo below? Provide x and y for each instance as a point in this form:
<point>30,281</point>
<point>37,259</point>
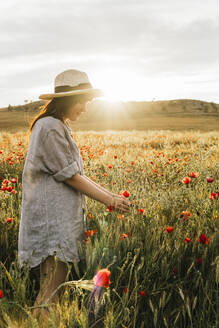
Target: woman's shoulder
<point>48,123</point>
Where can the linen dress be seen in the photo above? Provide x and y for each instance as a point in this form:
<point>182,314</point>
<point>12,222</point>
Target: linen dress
<point>53,214</point>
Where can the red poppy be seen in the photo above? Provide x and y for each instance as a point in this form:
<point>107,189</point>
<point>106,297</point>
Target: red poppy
<point>142,292</point>
<point>124,235</point>
<point>203,239</point>
<point>199,260</point>
<point>187,240</point>
<point>186,180</point>
<point>90,232</point>
<point>184,215</point>
<point>9,219</point>
<point>141,210</point>
<point>110,208</point>
<point>13,180</point>
<point>126,193</point>
<point>115,156</point>
<point>110,166</point>
<point>1,293</point>
<point>169,229</point>
<point>102,278</point>
<point>194,174</point>
<point>214,195</point>
<point>125,290</point>
<point>210,180</point>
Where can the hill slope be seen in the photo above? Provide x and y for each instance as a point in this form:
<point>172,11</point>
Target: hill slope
<point>166,114</point>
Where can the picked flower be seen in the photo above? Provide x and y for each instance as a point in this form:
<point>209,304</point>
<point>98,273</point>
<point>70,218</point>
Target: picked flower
<point>102,278</point>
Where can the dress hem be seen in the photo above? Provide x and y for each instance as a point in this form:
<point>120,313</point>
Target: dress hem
<point>51,253</point>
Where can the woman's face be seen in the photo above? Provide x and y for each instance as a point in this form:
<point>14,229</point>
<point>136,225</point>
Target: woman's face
<point>76,110</point>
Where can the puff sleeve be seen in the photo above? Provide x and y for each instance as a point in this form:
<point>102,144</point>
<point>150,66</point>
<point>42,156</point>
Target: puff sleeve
<point>56,156</point>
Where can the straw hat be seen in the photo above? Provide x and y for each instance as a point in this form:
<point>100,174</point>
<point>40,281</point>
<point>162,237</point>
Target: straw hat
<point>72,82</point>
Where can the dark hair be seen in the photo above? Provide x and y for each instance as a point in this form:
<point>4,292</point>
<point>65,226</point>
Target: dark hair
<point>58,107</point>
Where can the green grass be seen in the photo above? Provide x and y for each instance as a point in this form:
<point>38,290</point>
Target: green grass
<point>180,291</point>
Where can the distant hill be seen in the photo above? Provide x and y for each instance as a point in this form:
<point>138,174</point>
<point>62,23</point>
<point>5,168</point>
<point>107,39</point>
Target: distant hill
<point>161,106</point>
<point>162,114</point>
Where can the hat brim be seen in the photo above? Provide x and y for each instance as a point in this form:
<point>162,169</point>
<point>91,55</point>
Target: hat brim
<point>93,91</point>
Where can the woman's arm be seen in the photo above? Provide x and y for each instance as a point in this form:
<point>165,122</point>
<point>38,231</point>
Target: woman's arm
<point>84,185</point>
<point>98,186</point>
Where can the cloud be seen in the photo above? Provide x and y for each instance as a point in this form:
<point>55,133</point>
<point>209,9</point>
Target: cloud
<point>153,38</point>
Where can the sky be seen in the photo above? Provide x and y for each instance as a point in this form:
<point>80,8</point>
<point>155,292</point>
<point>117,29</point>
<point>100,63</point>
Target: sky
<point>132,50</point>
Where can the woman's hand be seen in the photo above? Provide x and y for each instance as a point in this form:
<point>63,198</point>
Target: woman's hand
<point>119,203</point>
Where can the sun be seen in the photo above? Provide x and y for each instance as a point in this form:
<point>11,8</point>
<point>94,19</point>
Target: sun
<point>118,85</point>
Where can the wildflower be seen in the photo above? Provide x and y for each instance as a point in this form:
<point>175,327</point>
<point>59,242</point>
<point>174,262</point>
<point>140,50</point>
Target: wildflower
<point>102,278</point>
<point>184,215</point>
<point>199,260</point>
<point>125,290</point>
<point>132,162</point>
<point>110,208</point>
<point>169,229</point>
<point>3,187</point>
<point>126,193</point>
<point>175,270</point>
<point>187,240</point>
<point>124,235</point>
<point>110,166</point>
<point>9,219</point>
<point>90,232</point>
<point>9,188</point>
<point>186,180</point>
<point>141,210</point>
<point>1,293</point>
<point>210,180</point>
<point>194,174</point>
<point>115,156</point>
<point>142,292</point>
<point>13,180</point>
<point>203,239</point>
<point>121,216</point>
<point>214,195</point>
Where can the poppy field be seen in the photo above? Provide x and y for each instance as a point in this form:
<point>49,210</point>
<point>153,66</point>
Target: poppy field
<point>154,266</point>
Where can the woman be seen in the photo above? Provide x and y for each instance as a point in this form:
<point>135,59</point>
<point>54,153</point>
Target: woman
<point>53,212</point>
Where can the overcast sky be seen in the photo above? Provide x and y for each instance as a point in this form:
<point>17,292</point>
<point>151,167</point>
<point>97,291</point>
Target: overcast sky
<point>132,50</point>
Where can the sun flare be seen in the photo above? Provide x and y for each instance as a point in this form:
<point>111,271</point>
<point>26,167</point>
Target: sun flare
<point>118,85</point>
<point>126,85</point>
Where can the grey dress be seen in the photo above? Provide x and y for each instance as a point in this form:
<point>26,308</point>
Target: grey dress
<point>53,214</point>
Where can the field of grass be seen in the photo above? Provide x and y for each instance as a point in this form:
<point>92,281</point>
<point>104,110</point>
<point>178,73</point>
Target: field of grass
<point>18,121</point>
<point>162,255</point>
